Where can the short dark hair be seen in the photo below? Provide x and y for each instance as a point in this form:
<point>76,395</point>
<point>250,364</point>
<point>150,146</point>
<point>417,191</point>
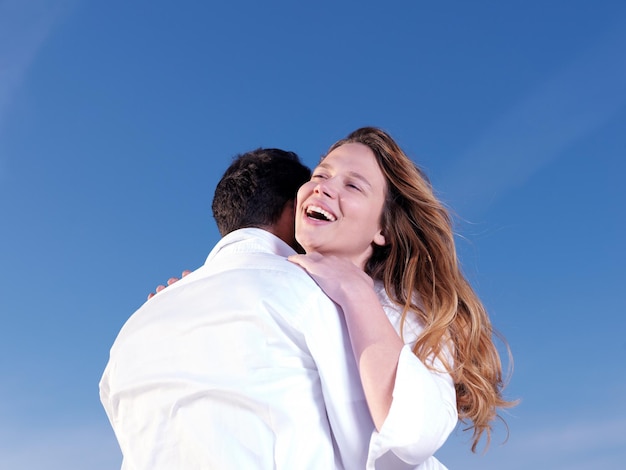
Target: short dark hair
<point>255,188</point>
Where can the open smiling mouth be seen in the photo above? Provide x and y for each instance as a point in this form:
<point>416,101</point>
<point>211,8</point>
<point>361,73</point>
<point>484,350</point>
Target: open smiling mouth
<point>315,212</point>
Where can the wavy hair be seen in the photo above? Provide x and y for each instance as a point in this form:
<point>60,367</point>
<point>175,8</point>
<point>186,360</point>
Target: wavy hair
<point>420,258</point>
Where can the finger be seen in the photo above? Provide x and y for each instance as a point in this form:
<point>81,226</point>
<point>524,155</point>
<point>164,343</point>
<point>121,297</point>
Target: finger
<point>300,260</point>
<point>150,295</point>
<point>171,280</point>
<point>185,272</point>
<point>160,288</point>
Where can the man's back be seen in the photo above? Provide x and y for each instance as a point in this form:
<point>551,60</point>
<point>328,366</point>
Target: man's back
<point>221,369</point>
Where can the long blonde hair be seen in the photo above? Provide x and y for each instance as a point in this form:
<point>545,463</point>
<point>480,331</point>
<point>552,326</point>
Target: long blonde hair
<point>420,258</point>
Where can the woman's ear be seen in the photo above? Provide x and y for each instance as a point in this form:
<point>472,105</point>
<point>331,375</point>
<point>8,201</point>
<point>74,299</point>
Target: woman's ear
<point>379,239</point>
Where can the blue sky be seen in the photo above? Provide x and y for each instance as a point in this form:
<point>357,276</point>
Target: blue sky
<point>118,118</point>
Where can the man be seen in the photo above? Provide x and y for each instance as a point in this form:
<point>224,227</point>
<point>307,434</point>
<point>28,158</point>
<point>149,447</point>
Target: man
<point>244,363</point>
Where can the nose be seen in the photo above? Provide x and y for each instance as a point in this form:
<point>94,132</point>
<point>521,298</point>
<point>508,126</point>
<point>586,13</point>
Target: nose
<point>324,187</point>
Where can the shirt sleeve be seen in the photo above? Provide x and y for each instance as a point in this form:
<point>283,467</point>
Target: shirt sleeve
<point>346,407</point>
<point>422,416</point>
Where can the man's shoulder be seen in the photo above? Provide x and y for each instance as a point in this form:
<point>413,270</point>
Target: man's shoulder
<point>258,260</point>
<point>271,273</point>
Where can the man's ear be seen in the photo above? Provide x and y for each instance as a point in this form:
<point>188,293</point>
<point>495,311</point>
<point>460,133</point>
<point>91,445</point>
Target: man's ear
<point>284,227</point>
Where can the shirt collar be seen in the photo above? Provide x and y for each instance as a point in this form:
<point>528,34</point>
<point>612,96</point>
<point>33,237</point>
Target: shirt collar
<point>251,240</point>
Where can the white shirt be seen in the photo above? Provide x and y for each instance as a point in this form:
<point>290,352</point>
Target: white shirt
<point>245,363</point>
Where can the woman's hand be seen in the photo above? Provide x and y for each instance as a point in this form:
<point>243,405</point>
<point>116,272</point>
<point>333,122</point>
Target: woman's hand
<point>337,277</point>
<point>170,281</point>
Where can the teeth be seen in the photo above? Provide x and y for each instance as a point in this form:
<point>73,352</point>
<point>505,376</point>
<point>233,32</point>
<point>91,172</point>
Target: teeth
<point>315,211</point>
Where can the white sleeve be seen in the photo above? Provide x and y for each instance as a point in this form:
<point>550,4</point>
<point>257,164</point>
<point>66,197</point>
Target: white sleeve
<point>422,416</point>
<point>329,343</point>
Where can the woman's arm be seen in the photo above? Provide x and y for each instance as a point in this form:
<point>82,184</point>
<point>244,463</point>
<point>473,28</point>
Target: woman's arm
<point>375,343</point>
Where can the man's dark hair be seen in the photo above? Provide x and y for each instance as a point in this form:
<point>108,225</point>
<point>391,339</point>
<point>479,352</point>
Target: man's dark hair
<point>256,187</point>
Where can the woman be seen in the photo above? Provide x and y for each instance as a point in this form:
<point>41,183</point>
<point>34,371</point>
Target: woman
<point>369,213</point>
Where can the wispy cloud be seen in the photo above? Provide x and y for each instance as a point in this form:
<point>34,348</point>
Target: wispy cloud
<point>24,26</point>
<point>583,437</point>
<point>89,446</point>
<point>578,100</point>
<point>575,445</point>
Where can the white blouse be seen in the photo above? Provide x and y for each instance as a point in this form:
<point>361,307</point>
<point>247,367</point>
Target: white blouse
<point>423,412</point>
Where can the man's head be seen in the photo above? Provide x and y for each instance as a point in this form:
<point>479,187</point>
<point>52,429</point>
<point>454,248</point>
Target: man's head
<point>258,190</point>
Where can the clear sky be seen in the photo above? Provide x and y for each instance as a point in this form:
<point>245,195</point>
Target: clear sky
<point>117,119</point>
